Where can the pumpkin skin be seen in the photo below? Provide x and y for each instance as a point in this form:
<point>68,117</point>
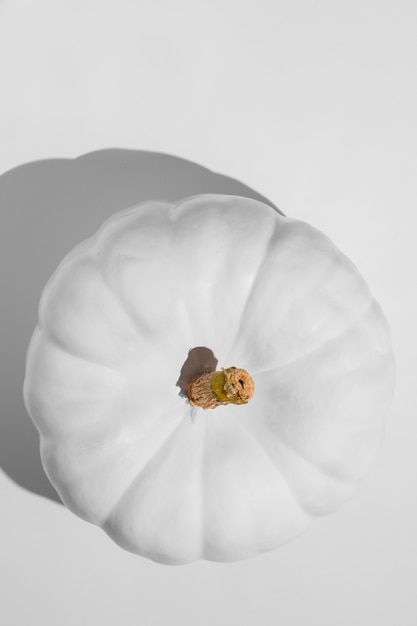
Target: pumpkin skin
<point>126,451</point>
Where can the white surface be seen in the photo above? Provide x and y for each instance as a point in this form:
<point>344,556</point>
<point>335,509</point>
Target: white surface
<point>313,105</point>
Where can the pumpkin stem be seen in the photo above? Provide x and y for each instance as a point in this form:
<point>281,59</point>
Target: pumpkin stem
<point>226,386</point>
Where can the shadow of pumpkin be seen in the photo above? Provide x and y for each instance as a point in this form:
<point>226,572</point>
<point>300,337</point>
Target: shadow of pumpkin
<point>48,207</point>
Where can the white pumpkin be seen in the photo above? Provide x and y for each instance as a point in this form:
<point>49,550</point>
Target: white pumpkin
<point>125,448</point>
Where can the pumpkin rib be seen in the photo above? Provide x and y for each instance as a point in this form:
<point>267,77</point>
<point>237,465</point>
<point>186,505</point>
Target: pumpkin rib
<point>73,260</point>
<point>41,357</point>
<point>284,228</point>
<point>124,218</point>
<point>99,241</point>
<point>103,461</point>
<point>67,349</point>
<point>328,340</point>
<point>370,362</point>
<point>127,536</point>
<point>252,288</point>
<point>326,472</point>
<point>277,467</point>
<point>330,477</point>
<point>139,438</point>
<point>225,272</point>
<point>130,487</point>
<point>323,471</point>
<point>139,325</point>
<point>250,480</point>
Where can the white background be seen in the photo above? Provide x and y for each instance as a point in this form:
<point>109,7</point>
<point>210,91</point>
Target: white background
<point>313,104</point>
